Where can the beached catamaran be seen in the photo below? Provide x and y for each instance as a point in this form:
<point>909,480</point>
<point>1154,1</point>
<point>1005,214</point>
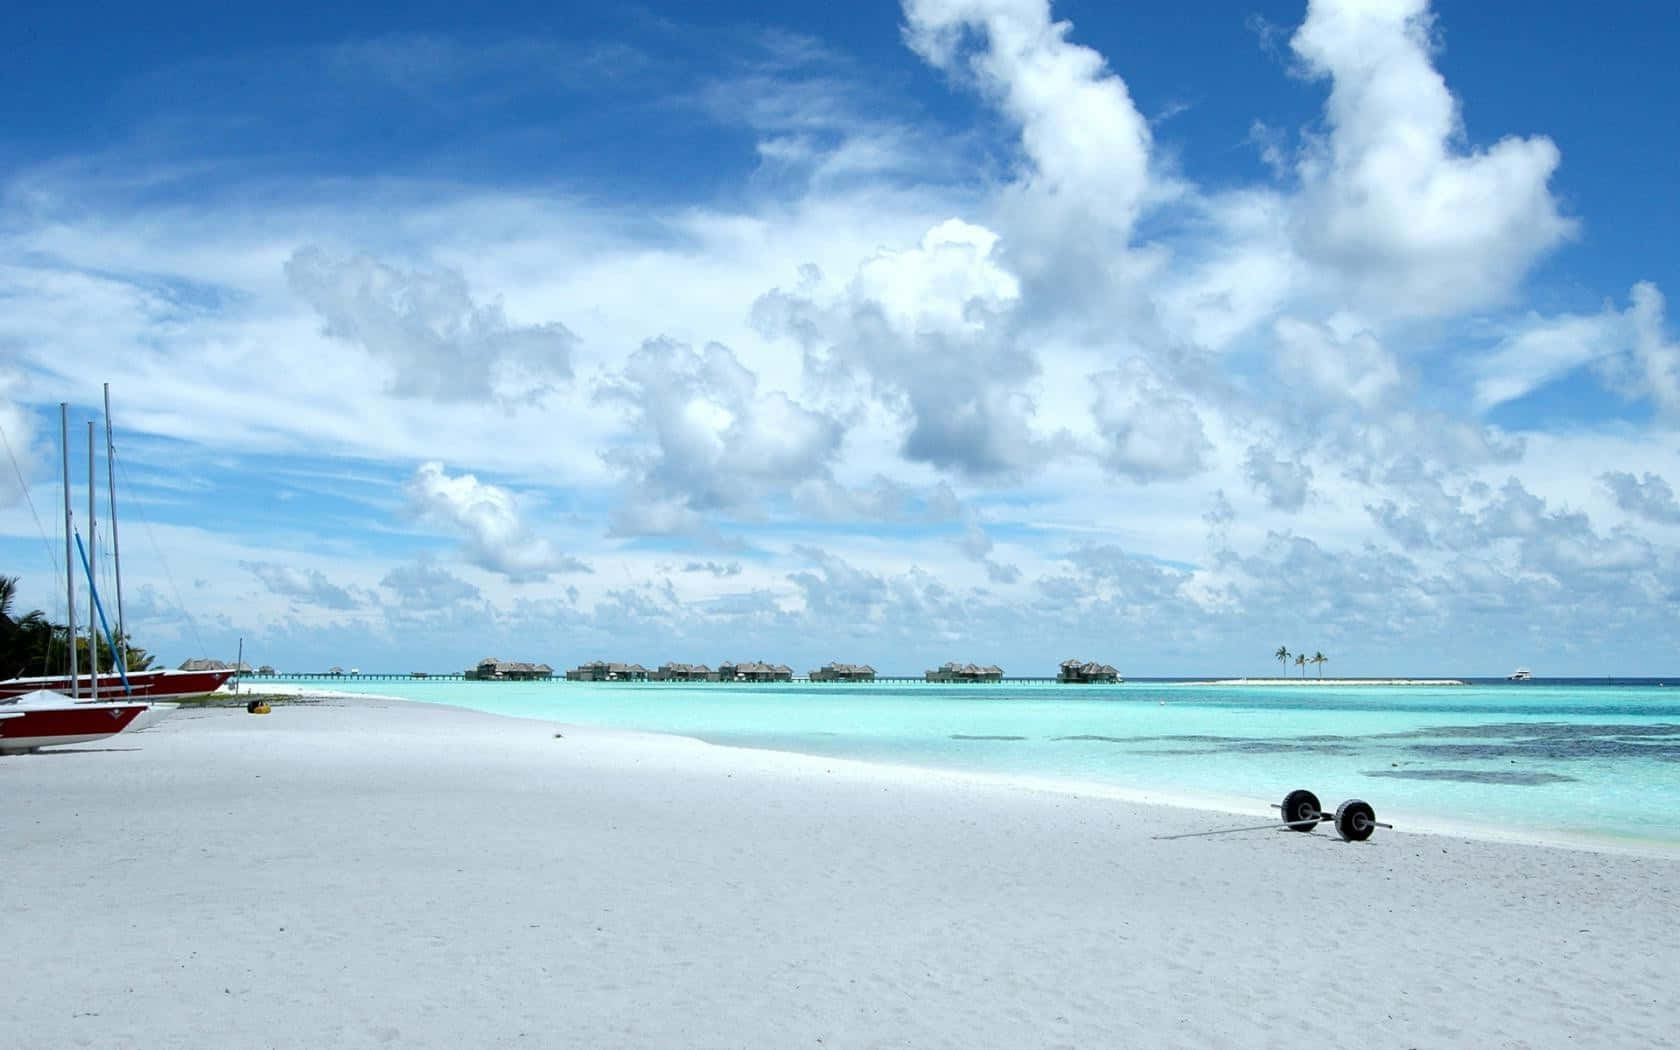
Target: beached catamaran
<point>52,710</point>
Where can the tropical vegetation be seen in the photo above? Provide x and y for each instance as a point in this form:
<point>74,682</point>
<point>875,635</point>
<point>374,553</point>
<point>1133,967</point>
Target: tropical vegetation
<point>30,644</point>
<point>1318,659</point>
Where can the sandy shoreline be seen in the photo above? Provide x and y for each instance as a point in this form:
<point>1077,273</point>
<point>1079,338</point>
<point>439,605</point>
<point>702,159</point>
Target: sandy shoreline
<point>369,872</point>
<point>1339,682</point>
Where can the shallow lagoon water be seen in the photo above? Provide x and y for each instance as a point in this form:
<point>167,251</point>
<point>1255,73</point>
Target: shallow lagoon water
<point>1589,763</point>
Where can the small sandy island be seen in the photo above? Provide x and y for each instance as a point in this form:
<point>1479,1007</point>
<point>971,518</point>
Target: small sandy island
<point>359,873</point>
<point>1333,681</point>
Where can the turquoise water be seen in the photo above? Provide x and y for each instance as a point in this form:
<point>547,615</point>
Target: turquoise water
<point>1596,763</point>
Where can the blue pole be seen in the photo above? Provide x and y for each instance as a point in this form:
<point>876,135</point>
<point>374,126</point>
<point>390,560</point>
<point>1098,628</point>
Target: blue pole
<point>93,589</point>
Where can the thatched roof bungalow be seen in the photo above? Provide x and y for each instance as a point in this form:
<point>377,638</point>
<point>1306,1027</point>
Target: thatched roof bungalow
<point>677,672</point>
<point>752,671</point>
<point>838,672</point>
<point>604,671</point>
<point>951,671</point>
<point>1075,671</point>
<point>491,669</point>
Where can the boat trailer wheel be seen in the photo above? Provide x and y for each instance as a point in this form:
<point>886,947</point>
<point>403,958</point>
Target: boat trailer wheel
<point>1354,819</point>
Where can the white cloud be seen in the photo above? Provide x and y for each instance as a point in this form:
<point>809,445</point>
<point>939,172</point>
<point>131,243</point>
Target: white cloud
<point>949,285</point>
<point>1393,197</point>
<point>1338,360</point>
<point>310,586</point>
<point>428,587</point>
<point>1286,484</point>
<point>709,441</point>
<point>1149,433</point>
<point>1087,147</point>
<point>1628,349</point>
<point>1650,368</point>
<point>880,499</point>
<point>488,517</point>
<point>1649,497</point>
<point>1540,351</point>
<point>714,568</point>
<point>427,331</point>
<point>927,328</point>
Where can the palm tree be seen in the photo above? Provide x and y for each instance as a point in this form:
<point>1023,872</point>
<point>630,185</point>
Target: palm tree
<point>1283,654</point>
<point>32,644</point>
<point>1301,662</point>
<point>1320,659</point>
<point>25,641</point>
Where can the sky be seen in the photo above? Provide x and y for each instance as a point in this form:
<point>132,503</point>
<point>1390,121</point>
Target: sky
<point>980,330</point>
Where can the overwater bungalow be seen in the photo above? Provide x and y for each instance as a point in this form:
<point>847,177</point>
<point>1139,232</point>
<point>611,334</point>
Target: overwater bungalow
<point>603,671</point>
<point>837,672</point>
<point>1080,672</point>
<point>675,672</point>
<point>951,671</point>
<point>752,671</point>
<point>491,669</point>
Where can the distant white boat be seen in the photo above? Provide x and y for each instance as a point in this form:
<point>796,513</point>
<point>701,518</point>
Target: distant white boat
<point>1521,674</point>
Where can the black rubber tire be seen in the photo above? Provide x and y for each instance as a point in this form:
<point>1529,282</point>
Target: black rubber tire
<point>1355,820</point>
<point>1300,805</point>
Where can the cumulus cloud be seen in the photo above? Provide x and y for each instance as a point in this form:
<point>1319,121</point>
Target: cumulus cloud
<point>310,586</point>
<point>1409,526</point>
<point>713,568</point>
<point>1649,497</point>
<point>1337,360</point>
<point>428,587</point>
<point>1086,145</point>
<point>1286,484</point>
<point>488,518</point>
<point>425,327</point>
<point>950,284</point>
<point>709,441</point>
<point>976,545</point>
<point>927,329</point>
<point>1149,432</point>
<point>1136,579</point>
<point>1393,196</point>
<point>1649,369</point>
<point>837,591</point>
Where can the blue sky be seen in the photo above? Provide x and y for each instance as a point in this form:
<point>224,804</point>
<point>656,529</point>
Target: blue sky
<point>962,329</point>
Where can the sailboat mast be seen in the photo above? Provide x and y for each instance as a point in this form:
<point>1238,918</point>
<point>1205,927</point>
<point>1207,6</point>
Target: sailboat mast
<point>92,552</point>
<point>116,549</point>
<point>69,550</point>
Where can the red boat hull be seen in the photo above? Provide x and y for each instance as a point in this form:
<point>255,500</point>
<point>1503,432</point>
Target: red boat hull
<point>143,685</point>
<point>27,728</point>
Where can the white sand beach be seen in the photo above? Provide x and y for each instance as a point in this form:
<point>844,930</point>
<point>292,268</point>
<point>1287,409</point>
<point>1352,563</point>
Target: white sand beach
<point>380,873</point>
<point>1336,682</point>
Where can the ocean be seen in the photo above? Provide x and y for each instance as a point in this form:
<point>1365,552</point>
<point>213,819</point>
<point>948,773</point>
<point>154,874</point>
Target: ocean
<point>1583,762</point>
